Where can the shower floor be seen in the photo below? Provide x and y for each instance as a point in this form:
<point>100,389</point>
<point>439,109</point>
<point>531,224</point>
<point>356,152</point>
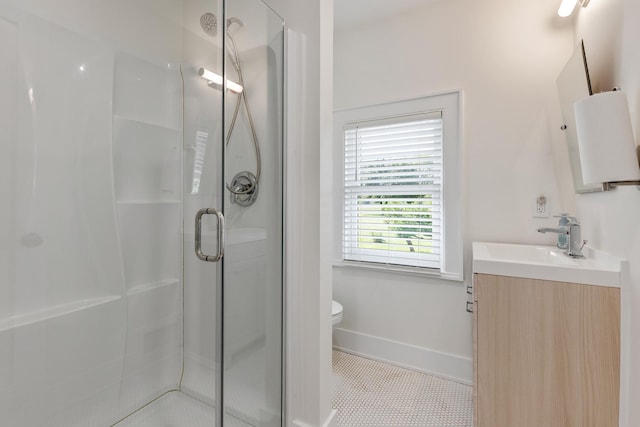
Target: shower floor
<point>177,409</point>
<point>245,385</point>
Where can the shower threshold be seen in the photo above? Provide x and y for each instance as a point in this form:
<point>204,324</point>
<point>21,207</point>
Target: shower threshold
<point>177,409</point>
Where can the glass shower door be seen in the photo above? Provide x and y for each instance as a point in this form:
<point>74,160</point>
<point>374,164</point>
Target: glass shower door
<point>253,209</point>
<point>239,215</point>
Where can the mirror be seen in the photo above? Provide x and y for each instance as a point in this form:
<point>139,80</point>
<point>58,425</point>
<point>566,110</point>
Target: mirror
<point>573,84</point>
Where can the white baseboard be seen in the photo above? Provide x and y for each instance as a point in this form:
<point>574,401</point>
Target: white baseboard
<point>448,366</point>
<point>331,421</point>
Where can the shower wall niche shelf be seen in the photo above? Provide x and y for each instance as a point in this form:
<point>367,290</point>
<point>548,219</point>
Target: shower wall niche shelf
<point>148,202</point>
<point>146,161</point>
<point>141,122</point>
<point>150,240</point>
<point>152,285</point>
<point>147,182</point>
<point>51,313</point>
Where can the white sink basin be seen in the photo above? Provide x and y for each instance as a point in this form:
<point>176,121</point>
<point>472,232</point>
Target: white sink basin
<point>527,254</point>
<point>546,263</point>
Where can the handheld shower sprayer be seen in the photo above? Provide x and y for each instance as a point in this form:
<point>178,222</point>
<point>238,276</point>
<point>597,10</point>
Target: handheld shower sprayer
<point>244,186</point>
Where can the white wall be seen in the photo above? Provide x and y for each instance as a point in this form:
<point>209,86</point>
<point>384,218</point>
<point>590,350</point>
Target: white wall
<point>611,29</point>
<point>309,105</point>
<point>505,57</point>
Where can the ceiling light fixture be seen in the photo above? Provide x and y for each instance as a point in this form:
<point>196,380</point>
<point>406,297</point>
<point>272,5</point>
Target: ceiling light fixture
<point>567,6</point>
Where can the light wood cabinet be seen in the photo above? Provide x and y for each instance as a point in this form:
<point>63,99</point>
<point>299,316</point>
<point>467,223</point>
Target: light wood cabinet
<point>547,354</point>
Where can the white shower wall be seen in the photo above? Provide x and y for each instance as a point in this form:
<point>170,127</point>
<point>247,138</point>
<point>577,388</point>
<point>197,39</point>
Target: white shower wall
<point>90,277</point>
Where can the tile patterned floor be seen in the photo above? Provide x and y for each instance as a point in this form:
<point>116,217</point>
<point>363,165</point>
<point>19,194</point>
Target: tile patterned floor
<point>374,394</point>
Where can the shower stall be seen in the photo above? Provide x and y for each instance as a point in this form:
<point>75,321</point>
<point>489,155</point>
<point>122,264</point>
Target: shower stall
<point>141,215</point>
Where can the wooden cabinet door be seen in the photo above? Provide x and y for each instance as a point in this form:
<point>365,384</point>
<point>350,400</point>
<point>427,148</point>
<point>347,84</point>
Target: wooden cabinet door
<point>547,353</point>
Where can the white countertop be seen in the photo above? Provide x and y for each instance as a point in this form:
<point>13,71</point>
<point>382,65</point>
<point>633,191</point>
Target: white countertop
<point>546,263</point>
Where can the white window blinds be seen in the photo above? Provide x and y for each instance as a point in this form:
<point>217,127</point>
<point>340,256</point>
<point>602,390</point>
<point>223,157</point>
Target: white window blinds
<point>392,191</point>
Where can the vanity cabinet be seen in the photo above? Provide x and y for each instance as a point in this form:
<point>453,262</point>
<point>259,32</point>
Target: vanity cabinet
<point>546,353</point>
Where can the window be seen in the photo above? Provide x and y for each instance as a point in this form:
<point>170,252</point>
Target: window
<point>400,185</point>
<point>392,186</point>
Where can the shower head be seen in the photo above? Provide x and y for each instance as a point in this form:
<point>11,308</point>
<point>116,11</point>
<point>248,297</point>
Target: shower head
<point>234,20</point>
<point>209,24</point>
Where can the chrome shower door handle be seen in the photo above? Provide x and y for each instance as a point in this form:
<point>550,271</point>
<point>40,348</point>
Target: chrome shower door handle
<point>198,235</point>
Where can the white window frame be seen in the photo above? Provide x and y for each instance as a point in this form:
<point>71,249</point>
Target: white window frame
<point>451,259</point>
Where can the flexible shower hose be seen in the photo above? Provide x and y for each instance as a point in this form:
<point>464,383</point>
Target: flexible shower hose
<point>242,98</point>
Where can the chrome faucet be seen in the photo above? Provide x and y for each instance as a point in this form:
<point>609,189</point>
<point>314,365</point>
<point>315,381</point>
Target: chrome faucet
<point>574,248</point>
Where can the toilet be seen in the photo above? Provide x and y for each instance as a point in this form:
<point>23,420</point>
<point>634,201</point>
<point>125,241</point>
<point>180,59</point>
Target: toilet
<point>336,313</point>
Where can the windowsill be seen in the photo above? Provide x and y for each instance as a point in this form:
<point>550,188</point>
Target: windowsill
<point>398,269</point>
